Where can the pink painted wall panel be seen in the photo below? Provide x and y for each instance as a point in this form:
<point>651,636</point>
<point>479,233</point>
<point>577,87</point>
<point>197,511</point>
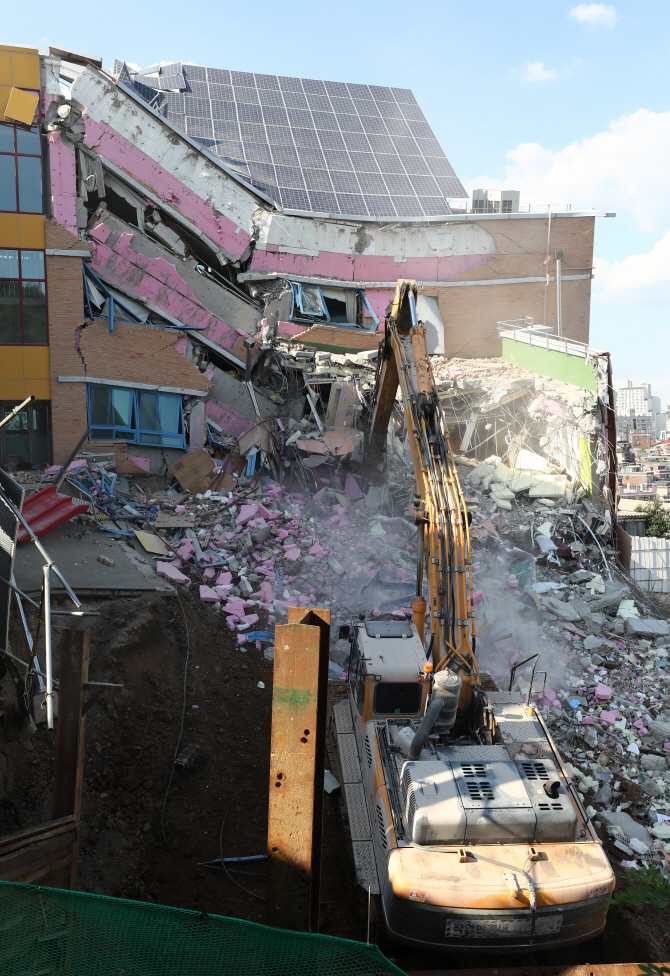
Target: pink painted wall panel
<point>379,298</point>
<point>367,267</point>
<point>228,419</point>
<point>63,176</point>
<point>158,282</point>
<point>220,228</point>
<point>141,462</point>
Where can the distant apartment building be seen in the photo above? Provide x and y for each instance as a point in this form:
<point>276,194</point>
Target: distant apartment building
<point>640,439</point>
<point>637,409</point>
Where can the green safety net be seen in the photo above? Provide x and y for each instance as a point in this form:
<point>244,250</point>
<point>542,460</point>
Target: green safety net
<point>49,932</point>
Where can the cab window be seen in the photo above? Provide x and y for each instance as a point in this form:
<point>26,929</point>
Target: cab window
<point>397,698</point>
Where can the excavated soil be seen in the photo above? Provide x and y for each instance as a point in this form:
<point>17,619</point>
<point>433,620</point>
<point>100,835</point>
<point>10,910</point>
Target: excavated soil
<point>130,745</point>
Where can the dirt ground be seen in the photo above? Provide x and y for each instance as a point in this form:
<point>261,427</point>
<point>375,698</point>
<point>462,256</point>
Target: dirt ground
<point>130,745</point>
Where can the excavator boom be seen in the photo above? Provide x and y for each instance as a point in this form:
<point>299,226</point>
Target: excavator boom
<point>438,508</point>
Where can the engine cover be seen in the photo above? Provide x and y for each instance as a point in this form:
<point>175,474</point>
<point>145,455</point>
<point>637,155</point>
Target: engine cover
<point>452,802</point>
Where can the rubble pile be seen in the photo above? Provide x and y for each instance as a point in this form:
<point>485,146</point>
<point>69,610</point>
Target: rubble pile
<point>284,515</point>
<point>545,578</point>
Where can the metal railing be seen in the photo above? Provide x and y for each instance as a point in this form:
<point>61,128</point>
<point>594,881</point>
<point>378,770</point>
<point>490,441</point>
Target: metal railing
<point>535,334</point>
<point>527,208</point>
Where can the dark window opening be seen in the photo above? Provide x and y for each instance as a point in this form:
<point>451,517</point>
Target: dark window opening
<point>23,301</point>
<point>120,207</point>
<point>397,698</point>
<point>337,311</point>
<point>25,441</point>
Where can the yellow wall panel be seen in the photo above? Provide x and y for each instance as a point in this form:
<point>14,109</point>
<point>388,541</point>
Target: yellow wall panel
<point>40,389</point>
<point>21,106</point>
<point>11,363</point>
<point>26,70</point>
<point>9,230</point>
<point>31,230</point>
<point>6,67</point>
<point>14,389</point>
<point>36,362</point>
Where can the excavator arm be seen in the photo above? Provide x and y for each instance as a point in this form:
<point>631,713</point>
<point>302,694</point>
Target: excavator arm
<point>438,506</point>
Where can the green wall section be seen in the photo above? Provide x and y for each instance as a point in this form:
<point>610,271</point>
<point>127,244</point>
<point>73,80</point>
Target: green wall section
<point>547,362</point>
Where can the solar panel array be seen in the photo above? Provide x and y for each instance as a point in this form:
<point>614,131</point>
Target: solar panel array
<point>315,146</point>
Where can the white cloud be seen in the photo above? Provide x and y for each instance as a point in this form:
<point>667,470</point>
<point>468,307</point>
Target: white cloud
<point>638,276</point>
<point>535,72</point>
<point>621,169</point>
<point>595,14</point>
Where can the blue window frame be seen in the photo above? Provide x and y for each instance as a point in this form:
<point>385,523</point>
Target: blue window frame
<point>308,304</point>
<point>136,416</point>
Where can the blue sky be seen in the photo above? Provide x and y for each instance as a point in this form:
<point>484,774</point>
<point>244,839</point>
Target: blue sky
<point>566,102</point>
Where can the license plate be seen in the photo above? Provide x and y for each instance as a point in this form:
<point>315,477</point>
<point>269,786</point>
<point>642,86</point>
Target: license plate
<point>492,928</point>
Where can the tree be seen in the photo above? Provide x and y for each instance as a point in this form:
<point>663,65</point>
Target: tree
<point>658,519</point>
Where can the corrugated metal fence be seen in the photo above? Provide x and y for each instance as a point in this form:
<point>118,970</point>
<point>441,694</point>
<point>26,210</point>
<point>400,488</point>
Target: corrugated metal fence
<point>650,564</point>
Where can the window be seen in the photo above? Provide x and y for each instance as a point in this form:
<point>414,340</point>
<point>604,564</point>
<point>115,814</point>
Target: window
<point>341,306</point>
<point>20,169</point>
<point>397,698</point>
<point>23,302</point>
<point>25,439</point>
<point>136,416</point>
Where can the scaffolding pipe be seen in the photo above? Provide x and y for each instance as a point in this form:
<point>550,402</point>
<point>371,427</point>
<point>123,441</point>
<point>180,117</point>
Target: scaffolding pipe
<point>559,309</point>
<point>16,410</point>
<point>47,648</point>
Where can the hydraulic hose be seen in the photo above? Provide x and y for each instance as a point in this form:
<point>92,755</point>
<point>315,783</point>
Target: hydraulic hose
<point>426,727</point>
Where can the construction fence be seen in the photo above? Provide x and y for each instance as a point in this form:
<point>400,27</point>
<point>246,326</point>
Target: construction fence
<point>51,932</point>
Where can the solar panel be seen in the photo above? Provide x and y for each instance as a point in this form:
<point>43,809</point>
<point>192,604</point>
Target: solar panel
<point>317,146</point>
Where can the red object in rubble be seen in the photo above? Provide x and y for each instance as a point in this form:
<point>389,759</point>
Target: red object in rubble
<point>46,510</point>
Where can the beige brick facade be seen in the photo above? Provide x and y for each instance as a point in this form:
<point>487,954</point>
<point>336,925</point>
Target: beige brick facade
<point>470,313</point>
<point>79,347</point>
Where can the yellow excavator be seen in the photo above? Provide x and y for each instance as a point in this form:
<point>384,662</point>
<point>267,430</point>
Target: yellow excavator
<point>464,823</point>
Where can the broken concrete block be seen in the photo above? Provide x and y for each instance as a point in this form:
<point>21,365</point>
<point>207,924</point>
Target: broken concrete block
<point>653,764</point>
<point>521,481</point>
<point>377,531</point>
<point>105,560</point>
<point>483,470</point>
<point>614,593</point>
<point>503,473</point>
<point>336,567</point>
<point>581,576</point>
<point>630,827</point>
<point>646,628</point>
<point>560,609</point>
<point>500,491</point>
<point>261,534</point>
<point>554,488</point>
<point>592,643</point>
<point>374,498</point>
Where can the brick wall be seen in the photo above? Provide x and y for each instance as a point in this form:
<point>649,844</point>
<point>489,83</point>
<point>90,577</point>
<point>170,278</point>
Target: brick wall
<point>470,313</point>
<point>132,353</point>
<point>66,313</point>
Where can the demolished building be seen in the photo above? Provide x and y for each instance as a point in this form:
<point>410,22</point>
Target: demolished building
<point>166,243</point>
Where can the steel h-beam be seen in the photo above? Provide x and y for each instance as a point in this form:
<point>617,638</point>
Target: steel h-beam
<point>297,763</point>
